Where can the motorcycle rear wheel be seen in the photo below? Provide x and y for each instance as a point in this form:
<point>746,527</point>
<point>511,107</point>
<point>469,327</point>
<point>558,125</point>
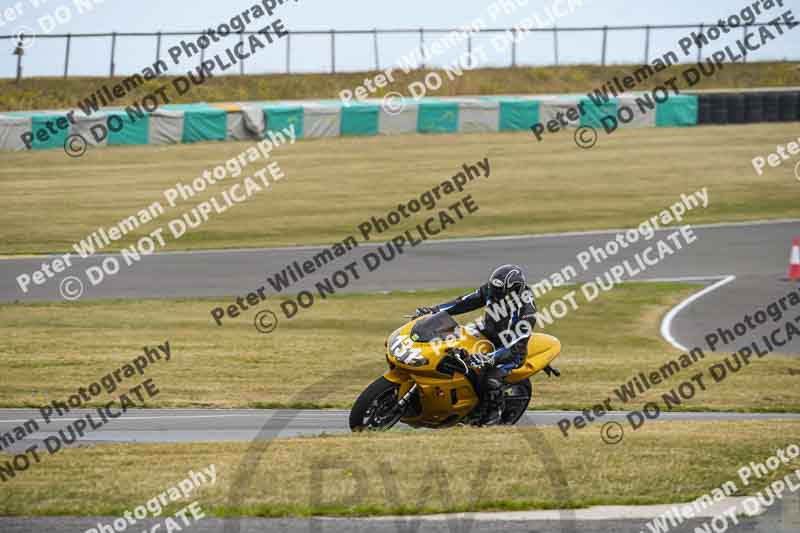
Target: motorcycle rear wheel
<point>375,408</point>
<point>517,405</point>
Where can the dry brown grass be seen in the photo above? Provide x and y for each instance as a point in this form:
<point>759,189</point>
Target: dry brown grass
<point>323,357</point>
<point>332,185</point>
<point>56,93</point>
<point>448,470</point>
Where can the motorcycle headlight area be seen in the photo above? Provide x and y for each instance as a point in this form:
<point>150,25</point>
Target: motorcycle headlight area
<point>413,360</point>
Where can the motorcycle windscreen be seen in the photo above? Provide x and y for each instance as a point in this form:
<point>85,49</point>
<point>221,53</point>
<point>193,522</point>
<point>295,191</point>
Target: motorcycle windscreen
<point>436,326</point>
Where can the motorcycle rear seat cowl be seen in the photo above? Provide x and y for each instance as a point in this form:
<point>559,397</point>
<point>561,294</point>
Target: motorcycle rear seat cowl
<point>542,349</point>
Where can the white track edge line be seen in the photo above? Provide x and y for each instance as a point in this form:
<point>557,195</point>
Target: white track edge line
<point>666,322</point>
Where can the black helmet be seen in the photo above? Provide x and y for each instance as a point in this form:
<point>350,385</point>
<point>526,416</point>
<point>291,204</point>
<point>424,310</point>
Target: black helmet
<point>505,280</point>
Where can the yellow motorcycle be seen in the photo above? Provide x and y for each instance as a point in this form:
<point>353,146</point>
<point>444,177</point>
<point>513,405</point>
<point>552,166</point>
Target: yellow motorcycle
<point>429,383</point>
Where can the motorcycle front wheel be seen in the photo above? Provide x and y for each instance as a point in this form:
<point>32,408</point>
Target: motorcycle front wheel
<point>375,408</point>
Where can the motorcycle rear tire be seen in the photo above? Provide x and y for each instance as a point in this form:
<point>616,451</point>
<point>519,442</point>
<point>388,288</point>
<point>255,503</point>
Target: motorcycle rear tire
<point>520,406</point>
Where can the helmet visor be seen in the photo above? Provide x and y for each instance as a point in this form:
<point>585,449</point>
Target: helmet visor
<point>497,289</point>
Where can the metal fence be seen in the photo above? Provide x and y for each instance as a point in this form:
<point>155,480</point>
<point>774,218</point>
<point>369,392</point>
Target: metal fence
<point>422,34</point>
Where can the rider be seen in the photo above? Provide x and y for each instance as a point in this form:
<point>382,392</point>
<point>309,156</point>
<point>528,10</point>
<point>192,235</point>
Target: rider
<point>511,302</point>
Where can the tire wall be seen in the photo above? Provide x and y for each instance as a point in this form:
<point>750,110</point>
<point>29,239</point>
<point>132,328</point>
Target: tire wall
<point>748,107</point>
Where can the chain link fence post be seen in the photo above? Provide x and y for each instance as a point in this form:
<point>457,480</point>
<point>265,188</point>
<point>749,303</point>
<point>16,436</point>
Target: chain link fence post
<point>375,46</point>
<point>19,51</point>
<point>158,47</point>
<point>422,47</point>
<point>333,51</point>
<point>113,53</point>
<point>66,56</point>
<point>514,48</point>
<point>555,44</point>
<point>288,52</point>
<point>605,45</point>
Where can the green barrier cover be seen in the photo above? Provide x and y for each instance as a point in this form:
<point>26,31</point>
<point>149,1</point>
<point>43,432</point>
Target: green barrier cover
<point>359,119</point>
<point>204,125</point>
<point>52,140</point>
<point>593,113</point>
<point>679,110</point>
<point>516,115</point>
<point>133,131</point>
<point>282,117</point>
<point>437,117</point>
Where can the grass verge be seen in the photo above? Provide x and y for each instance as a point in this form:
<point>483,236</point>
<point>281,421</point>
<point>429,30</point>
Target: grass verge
<point>334,350</point>
<point>333,185</point>
<point>57,93</point>
<point>410,472</point>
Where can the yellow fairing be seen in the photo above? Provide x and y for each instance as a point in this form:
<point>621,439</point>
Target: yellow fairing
<point>437,399</point>
<point>542,349</point>
<point>446,399</point>
<point>397,376</point>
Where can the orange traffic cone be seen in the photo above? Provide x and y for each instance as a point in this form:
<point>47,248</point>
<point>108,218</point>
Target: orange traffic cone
<point>794,260</point>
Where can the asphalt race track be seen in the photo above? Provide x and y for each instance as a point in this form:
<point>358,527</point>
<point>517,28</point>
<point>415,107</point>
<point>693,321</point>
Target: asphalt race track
<point>726,305</point>
<point>192,425</point>
<point>756,254</point>
<point>740,249</point>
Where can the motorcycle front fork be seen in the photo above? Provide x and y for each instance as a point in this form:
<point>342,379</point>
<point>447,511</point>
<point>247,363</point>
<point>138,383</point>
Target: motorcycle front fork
<point>402,403</point>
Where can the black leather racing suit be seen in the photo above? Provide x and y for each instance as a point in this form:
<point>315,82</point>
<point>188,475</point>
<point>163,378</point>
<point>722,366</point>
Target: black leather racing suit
<point>508,324</point>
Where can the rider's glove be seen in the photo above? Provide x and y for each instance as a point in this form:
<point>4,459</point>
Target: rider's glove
<point>461,353</point>
<point>421,311</point>
<point>479,360</point>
